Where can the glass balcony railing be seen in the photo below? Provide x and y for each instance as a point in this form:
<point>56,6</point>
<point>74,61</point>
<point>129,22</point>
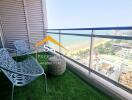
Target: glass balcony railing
<point>77,48</point>
<point>105,51</point>
<point>50,44</point>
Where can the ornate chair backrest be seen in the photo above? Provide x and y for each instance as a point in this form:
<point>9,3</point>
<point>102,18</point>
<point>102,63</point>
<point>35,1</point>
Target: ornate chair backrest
<point>6,60</point>
<point>21,46</point>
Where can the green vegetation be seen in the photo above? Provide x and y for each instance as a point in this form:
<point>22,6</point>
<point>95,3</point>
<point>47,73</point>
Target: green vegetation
<point>117,41</point>
<point>65,87</point>
<point>82,54</point>
<point>105,48</point>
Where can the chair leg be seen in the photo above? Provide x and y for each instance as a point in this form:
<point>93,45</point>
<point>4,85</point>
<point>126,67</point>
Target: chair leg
<point>45,82</point>
<point>12,92</point>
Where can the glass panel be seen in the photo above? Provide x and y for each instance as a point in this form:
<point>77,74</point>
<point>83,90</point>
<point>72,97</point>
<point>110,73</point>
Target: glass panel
<point>77,48</point>
<point>76,31</point>
<point>51,44</point>
<point>113,58</point>
<point>53,31</point>
<point>114,32</point>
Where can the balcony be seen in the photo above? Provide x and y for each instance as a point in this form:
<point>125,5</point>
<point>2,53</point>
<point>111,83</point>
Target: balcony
<point>99,67</point>
<point>99,60</point>
<point>66,87</point>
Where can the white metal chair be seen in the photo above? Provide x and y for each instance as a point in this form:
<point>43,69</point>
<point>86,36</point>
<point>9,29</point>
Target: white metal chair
<point>20,73</point>
<point>22,47</point>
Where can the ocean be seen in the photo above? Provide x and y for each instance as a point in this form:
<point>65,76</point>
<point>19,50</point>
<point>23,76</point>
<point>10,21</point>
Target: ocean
<point>68,40</point>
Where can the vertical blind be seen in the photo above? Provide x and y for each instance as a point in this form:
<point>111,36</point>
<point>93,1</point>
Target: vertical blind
<point>21,19</point>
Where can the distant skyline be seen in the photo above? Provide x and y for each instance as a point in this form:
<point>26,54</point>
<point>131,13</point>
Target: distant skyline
<point>88,13</point>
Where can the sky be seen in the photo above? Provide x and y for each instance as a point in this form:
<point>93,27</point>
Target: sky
<point>88,13</point>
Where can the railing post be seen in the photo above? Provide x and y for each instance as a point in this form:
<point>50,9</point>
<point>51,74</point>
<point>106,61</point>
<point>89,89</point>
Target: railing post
<point>59,40</point>
<point>90,52</point>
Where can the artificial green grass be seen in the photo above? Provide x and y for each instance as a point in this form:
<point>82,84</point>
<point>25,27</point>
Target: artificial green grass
<point>65,87</point>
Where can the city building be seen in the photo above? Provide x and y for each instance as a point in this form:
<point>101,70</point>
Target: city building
<point>125,51</point>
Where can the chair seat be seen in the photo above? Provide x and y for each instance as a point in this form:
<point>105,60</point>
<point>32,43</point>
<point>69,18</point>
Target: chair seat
<point>30,70</point>
<point>17,79</point>
<point>31,66</point>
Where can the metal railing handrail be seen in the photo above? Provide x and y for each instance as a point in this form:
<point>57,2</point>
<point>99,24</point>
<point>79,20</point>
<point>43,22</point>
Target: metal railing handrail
<point>97,28</point>
<point>94,35</point>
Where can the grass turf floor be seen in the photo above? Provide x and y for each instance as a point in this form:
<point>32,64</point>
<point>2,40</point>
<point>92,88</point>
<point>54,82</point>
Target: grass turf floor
<point>65,87</point>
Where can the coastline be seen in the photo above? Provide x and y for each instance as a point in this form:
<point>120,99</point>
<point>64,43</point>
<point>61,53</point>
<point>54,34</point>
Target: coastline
<point>83,46</point>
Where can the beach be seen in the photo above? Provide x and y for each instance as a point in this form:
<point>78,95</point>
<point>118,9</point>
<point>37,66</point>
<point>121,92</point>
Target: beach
<point>83,46</point>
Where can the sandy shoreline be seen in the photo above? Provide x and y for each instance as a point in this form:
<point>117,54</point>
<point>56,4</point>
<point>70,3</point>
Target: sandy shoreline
<point>75,48</point>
